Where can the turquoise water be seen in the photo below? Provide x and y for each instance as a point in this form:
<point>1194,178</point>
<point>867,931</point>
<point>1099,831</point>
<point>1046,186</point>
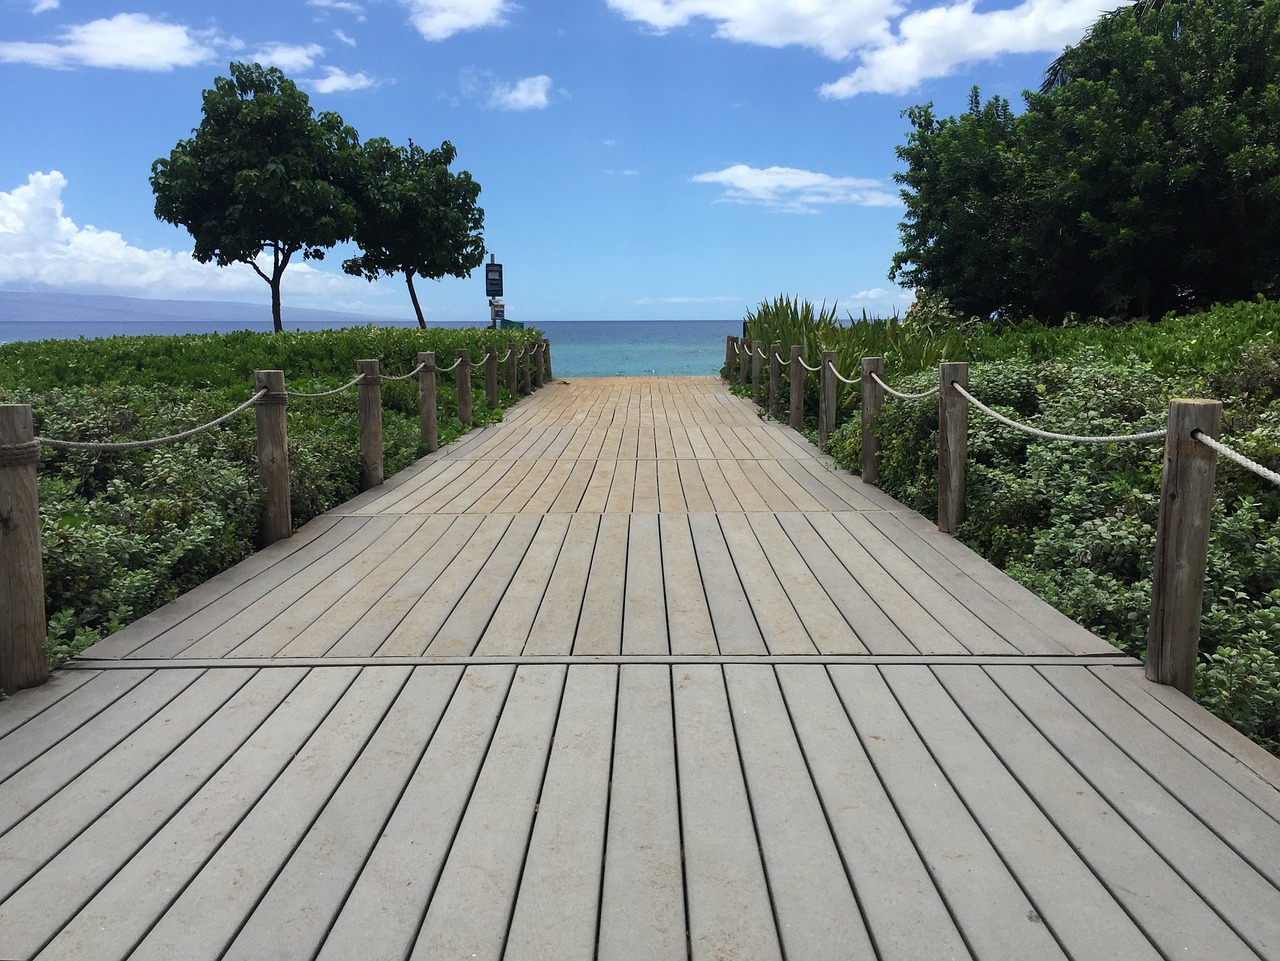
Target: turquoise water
<point>578,348</point>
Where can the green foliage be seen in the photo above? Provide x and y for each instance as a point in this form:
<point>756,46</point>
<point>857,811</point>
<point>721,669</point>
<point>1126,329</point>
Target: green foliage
<point>415,216</point>
<point>261,173</point>
<point>1144,179</point>
<point>1075,523</point>
<point>123,533</point>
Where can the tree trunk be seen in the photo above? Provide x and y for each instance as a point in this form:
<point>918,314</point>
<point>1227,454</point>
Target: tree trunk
<point>277,273</point>
<point>413,295</point>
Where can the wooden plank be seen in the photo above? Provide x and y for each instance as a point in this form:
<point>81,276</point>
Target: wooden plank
<point>826,497</point>
<point>421,622</point>
<point>693,489</point>
<point>556,622</point>
<point>55,767</point>
<point>874,630</point>
<point>748,497</point>
<point>31,703</point>
<point>646,489</point>
<point>688,615</point>
<point>542,499</point>
<point>642,905</point>
<point>1246,900</point>
<point>599,629</point>
<point>763,485</point>
<point>557,905</point>
<point>359,574</point>
<point>514,502</point>
<point>1153,893</point>
<point>1000,616</point>
<point>797,495</point>
<point>131,865</point>
<point>209,912</point>
<point>312,886</point>
<point>508,629</point>
<point>990,908</point>
<point>388,611</point>
<point>471,907</point>
<point>644,615</point>
<point>670,488</point>
<point>1091,923</point>
<point>575,487</point>
<point>383,912</point>
<point>775,613</point>
<point>904,911</point>
<point>1249,830</point>
<point>811,892</point>
<point>61,719</point>
<point>967,628</point>
<point>731,615</point>
<point>730,915</point>
<point>596,497</point>
<point>468,618</point>
<point>621,494</point>
<point>826,626</point>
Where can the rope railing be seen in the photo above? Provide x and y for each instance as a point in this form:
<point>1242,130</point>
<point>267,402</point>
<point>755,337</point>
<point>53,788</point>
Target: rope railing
<point>1050,435</point>
<point>841,377</point>
<point>112,447</point>
<point>903,396</point>
<point>1235,456</point>
<point>812,370</point>
<point>413,373</point>
<point>326,393</point>
<point>453,366</point>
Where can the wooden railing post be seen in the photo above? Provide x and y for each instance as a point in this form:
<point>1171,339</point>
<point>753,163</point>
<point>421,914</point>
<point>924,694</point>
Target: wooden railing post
<point>757,362</point>
<point>491,376</point>
<point>730,356</point>
<point>369,404</point>
<point>1182,543</point>
<point>827,385</point>
<point>744,358</point>
<point>464,387</point>
<point>872,401</point>
<point>526,368</point>
<point>953,446</point>
<point>24,661</point>
<point>796,412</point>
<point>427,405</point>
<point>546,362</point>
<point>273,456</point>
<point>537,366</point>
<point>513,361</point>
<point>775,377</point>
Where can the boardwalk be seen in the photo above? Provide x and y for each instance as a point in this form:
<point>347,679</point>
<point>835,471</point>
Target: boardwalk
<point>635,675</point>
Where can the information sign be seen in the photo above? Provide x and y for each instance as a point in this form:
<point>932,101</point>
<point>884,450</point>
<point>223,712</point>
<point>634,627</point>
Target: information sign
<point>493,280</point>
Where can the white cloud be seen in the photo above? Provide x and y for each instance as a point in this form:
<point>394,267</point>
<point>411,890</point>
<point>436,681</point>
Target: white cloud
<point>288,56</point>
<point>531,93</point>
<point>835,28</point>
<point>895,48</point>
<point>339,5</point>
<point>128,41</point>
<point>932,43</point>
<point>336,81</point>
<point>43,5</point>
<point>344,38</point>
<point>441,19</point>
<point>41,247</point>
<point>789,190</point>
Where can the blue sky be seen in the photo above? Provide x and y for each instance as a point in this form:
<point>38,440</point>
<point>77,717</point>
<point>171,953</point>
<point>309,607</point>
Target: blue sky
<point>638,159</point>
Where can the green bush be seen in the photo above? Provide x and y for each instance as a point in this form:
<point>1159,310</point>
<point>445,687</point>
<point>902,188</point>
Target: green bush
<point>125,532</point>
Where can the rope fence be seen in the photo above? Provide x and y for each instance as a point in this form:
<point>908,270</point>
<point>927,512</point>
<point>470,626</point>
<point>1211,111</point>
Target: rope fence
<point>1049,435</point>
<point>1237,457</point>
<point>23,624</point>
<point>902,396</point>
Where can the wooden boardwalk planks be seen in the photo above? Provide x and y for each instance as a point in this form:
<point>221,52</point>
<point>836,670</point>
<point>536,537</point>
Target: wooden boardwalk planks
<point>824,731</point>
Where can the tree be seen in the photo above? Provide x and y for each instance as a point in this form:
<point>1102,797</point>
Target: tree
<point>1143,178</point>
<point>261,173</point>
<point>415,216</point>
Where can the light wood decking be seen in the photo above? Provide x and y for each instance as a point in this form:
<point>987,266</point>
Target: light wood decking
<point>634,675</point>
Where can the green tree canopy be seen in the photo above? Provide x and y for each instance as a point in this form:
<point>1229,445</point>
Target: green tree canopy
<point>1144,177</point>
<point>415,217</point>
<point>261,173</point>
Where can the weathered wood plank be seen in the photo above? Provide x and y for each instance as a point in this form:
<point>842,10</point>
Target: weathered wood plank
<point>642,905</point>
<point>731,615</point>
<point>508,629</point>
<point>556,622</point>
<point>599,629</point>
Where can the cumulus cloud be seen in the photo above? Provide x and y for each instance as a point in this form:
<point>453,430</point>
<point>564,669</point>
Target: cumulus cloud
<point>42,247</point>
<point>789,190</point>
<point>896,48</point>
<point>441,19</point>
<point>127,41</point>
<point>531,93</point>
<point>336,81</point>
<point>287,56</point>
<point>42,5</point>
<point>835,28</point>
<point>934,42</point>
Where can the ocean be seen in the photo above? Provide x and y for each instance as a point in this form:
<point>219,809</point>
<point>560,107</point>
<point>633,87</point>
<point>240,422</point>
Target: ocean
<point>612,348</point>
